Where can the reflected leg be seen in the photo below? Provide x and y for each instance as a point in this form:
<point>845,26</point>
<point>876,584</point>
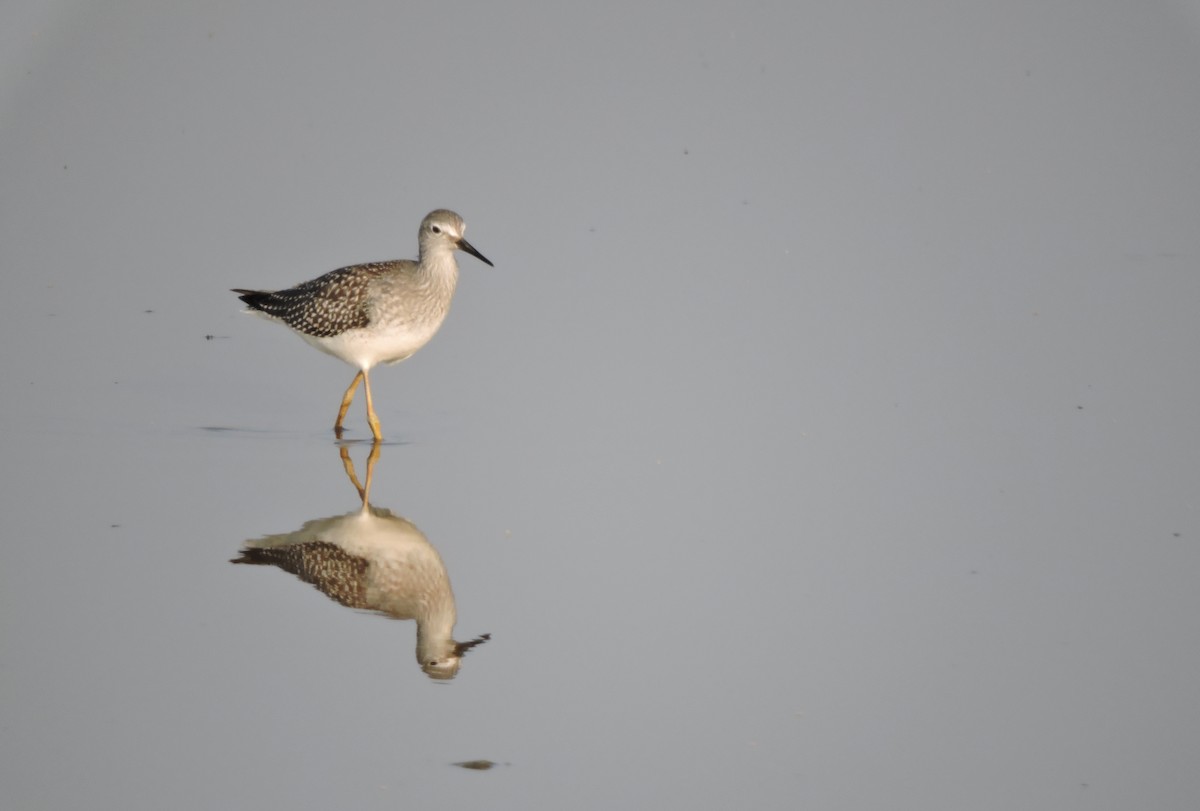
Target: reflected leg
<point>348,466</point>
<point>364,491</point>
<point>371,460</point>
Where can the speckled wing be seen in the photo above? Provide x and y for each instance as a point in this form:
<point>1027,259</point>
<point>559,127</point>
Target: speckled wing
<point>341,576</point>
<point>323,307</point>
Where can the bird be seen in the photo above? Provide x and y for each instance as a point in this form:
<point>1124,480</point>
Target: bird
<point>377,312</point>
<point>374,560</point>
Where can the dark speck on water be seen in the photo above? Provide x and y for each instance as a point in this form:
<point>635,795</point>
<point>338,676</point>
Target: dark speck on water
<point>477,765</point>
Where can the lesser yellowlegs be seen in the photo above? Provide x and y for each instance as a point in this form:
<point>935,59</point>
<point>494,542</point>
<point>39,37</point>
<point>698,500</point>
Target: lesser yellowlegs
<point>380,312</point>
<point>373,560</point>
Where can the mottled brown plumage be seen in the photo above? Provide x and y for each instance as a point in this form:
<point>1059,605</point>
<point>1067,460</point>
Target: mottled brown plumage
<point>340,576</point>
<point>373,560</point>
<point>378,312</point>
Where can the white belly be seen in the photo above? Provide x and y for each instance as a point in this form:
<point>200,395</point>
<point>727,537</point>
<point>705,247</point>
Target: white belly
<point>365,348</point>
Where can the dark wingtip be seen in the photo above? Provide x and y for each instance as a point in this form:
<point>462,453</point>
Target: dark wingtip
<point>251,297</point>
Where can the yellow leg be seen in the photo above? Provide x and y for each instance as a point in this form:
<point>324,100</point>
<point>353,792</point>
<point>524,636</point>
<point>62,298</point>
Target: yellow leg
<point>364,491</point>
<point>337,426</point>
<point>371,460</point>
<point>348,466</point>
<point>372,420</point>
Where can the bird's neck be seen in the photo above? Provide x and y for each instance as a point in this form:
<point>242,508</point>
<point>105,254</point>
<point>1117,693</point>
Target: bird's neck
<point>439,263</point>
<point>435,628</point>
<point>439,269</point>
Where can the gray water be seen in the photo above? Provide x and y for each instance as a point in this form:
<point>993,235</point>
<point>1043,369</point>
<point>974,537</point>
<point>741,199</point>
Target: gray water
<point>824,437</point>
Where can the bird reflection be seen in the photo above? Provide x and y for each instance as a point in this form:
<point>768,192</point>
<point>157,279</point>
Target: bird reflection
<point>373,560</point>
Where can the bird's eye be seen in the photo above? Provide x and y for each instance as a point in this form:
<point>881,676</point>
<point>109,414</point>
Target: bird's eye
<point>437,229</point>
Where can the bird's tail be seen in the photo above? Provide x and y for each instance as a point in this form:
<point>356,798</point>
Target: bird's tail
<point>255,299</point>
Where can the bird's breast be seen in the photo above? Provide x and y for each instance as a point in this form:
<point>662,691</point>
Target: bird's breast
<point>381,342</point>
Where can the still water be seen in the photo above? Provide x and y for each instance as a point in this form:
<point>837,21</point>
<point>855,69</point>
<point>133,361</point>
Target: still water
<point>824,436</point>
